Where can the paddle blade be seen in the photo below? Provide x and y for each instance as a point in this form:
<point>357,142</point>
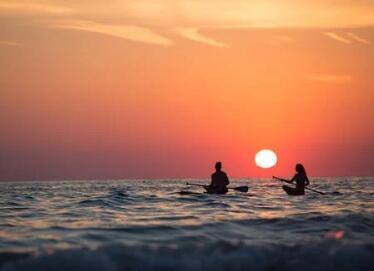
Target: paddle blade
<point>241,188</point>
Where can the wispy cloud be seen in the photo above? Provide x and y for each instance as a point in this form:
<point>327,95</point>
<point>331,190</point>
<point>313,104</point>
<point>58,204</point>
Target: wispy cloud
<point>194,34</point>
<point>348,38</point>
<point>207,13</point>
<point>128,32</point>
<point>34,7</point>
<point>357,38</point>
<point>257,13</point>
<point>138,20</point>
<point>337,37</point>
<point>10,43</point>
<point>331,78</point>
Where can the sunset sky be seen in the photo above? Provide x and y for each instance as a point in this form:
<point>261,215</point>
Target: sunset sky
<point>101,89</point>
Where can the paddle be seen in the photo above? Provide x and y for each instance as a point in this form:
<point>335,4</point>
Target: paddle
<point>308,188</point>
<point>243,189</point>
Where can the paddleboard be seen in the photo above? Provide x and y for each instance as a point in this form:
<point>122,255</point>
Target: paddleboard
<point>291,191</point>
<point>189,193</point>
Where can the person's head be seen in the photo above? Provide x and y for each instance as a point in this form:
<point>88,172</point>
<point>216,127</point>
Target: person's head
<point>300,169</point>
<point>218,166</point>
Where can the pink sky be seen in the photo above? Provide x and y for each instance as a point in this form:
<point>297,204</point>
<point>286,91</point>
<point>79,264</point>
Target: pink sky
<point>156,89</point>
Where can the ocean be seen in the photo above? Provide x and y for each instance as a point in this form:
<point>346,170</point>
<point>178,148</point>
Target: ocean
<point>148,225</point>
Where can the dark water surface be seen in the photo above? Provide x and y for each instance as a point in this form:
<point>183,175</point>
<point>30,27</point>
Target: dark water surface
<point>146,225</point>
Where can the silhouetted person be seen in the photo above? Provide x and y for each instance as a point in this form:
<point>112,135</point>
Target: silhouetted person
<point>220,181</point>
<point>301,180</point>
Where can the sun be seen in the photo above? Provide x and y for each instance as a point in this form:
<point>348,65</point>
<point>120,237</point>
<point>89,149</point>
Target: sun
<point>266,158</point>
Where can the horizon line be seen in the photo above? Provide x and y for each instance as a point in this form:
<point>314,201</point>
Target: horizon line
<point>167,178</point>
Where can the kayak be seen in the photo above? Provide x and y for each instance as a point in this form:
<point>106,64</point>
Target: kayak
<point>189,193</point>
<point>209,190</point>
<point>183,192</point>
<point>292,191</point>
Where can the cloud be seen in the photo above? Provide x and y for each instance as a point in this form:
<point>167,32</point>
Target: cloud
<point>331,78</point>
<point>138,20</point>
<point>347,39</point>
<point>33,7</point>
<point>10,43</point>
<point>128,32</point>
<point>256,13</point>
<point>193,34</point>
<point>338,38</point>
<point>208,13</point>
<point>357,38</point>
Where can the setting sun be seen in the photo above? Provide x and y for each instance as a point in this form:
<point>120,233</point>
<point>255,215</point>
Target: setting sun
<point>266,158</point>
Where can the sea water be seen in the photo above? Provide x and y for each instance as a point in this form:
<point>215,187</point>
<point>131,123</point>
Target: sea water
<point>148,225</point>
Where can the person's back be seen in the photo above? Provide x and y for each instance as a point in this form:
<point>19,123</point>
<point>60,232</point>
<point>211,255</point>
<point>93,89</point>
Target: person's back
<point>300,180</point>
<point>220,181</point>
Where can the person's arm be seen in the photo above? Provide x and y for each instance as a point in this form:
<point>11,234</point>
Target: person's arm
<point>292,180</point>
<point>227,182</point>
<point>307,181</point>
<point>212,180</point>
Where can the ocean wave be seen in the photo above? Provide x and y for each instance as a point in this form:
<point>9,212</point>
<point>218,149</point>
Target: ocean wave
<point>218,256</point>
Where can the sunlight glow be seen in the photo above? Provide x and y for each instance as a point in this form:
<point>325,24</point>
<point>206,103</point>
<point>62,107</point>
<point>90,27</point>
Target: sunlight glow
<point>266,158</point>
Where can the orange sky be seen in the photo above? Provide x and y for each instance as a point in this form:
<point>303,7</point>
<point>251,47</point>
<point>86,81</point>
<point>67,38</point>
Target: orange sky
<point>132,89</point>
